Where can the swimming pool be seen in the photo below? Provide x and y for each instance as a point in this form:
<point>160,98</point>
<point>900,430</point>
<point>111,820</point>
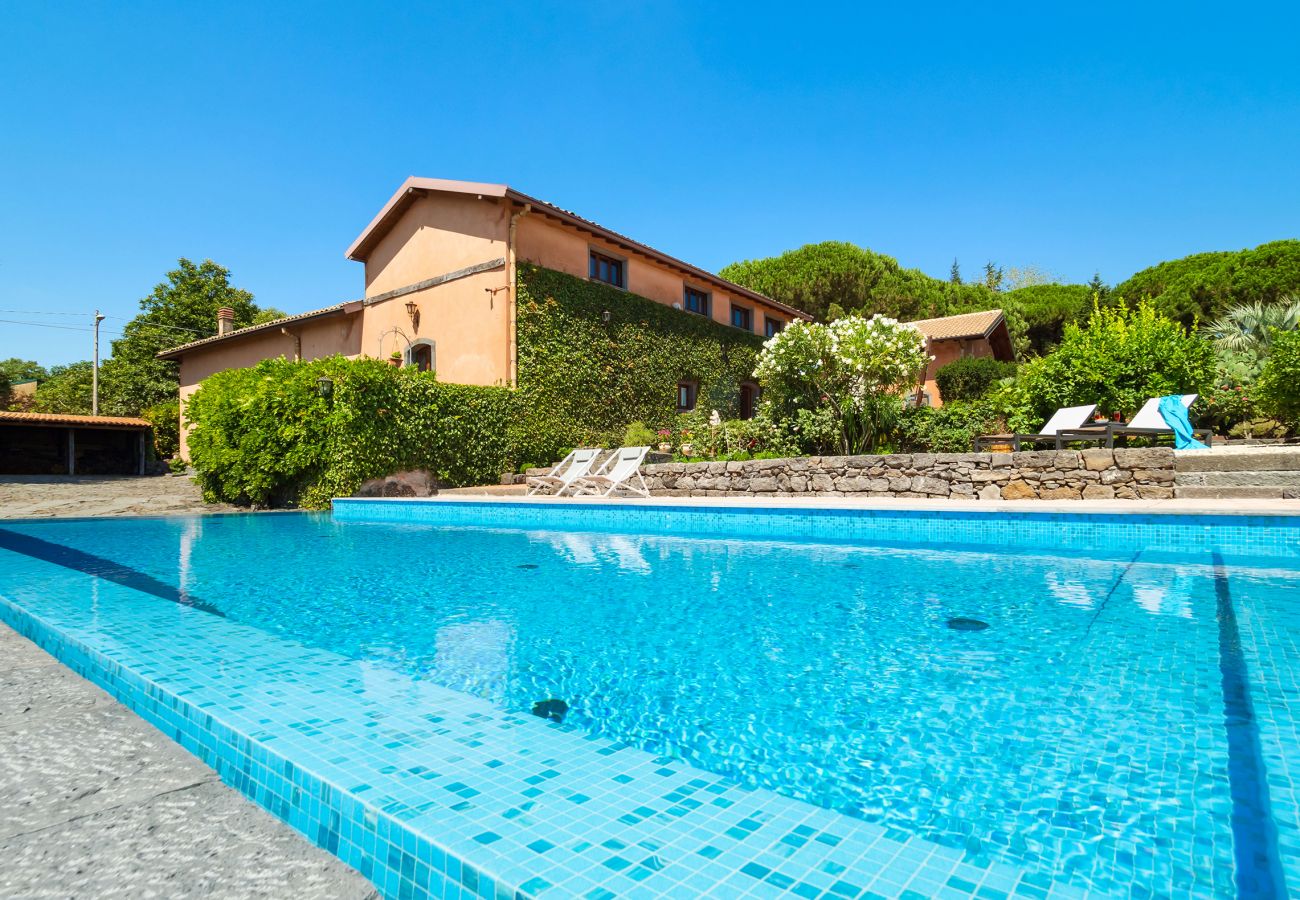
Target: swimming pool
<point>656,704</point>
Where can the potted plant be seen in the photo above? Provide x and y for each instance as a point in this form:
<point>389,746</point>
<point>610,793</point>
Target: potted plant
<point>395,358</point>
<point>665,445</point>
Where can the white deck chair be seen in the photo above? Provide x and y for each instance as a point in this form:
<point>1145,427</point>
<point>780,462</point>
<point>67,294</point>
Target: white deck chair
<point>1149,415</point>
<point>1064,419</point>
<point>621,470</point>
<point>568,470</point>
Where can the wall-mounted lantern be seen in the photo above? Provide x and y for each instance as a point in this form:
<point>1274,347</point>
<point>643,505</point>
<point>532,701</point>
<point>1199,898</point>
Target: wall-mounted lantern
<point>605,317</point>
<point>325,386</point>
<point>413,311</point>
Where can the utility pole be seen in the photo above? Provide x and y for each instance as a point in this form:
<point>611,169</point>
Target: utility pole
<point>94,378</point>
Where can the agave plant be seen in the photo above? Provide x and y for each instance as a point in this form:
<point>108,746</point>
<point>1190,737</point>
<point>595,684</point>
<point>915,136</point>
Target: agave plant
<point>1249,327</point>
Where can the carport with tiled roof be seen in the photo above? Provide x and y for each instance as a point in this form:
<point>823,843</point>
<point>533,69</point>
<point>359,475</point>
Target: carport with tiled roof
<point>52,444</point>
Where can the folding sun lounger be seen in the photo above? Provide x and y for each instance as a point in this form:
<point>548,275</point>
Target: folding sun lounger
<point>1147,423</point>
<point>1066,418</point>
<point>567,471</point>
<point>621,470</point>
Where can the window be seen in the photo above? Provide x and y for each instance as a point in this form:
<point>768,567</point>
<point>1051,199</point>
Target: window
<point>696,301</point>
<point>420,355</point>
<point>772,326</point>
<point>607,269</point>
<point>748,400</point>
<point>742,318</point>
<point>686,391</point>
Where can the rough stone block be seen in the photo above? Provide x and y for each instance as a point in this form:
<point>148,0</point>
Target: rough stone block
<point>990,492</point>
<point>1001,460</point>
<point>798,483</point>
<point>899,483</point>
<point>935,486</point>
<point>1151,492</point>
<point>763,483</point>
<point>1156,476</point>
<point>1116,476</point>
<point>1018,490</point>
<point>1145,458</point>
<point>980,477</point>
<point>1098,492</point>
<point>1060,493</point>
<point>822,482</point>
<point>1098,459</point>
<point>922,461</point>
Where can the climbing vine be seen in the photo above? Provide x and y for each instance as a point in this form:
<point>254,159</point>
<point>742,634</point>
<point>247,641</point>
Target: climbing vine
<point>583,379</point>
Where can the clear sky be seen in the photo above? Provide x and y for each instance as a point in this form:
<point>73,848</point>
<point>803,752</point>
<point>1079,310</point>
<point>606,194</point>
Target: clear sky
<point>1073,137</point>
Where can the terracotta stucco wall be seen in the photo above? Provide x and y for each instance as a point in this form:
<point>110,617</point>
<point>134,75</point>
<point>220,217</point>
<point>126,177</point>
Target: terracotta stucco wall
<point>468,318</point>
<point>545,242</point>
<point>945,352</point>
<point>437,234</point>
<point>319,337</point>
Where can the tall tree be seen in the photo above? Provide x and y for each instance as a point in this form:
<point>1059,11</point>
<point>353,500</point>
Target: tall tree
<point>66,391</point>
<point>181,309</point>
<point>954,274</point>
<point>992,276</point>
<point>1207,285</point>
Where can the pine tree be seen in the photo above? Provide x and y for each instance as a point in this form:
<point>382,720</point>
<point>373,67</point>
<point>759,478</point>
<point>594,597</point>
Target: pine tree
<point>955,276</point>
<point>992,276</point>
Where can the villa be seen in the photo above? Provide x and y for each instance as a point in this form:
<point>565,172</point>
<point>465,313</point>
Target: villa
<point>956,337</point>
<point>441,288</point>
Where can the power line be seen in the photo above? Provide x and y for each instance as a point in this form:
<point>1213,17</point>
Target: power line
<point>43,312</point>
<point>84,328</point>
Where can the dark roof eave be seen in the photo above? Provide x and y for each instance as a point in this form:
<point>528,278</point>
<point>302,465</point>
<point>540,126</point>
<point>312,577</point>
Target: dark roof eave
<point>397,204</point>
<point>338,309</point>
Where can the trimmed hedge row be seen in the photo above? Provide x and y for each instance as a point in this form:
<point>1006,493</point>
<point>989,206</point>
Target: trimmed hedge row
<point>266,436</point>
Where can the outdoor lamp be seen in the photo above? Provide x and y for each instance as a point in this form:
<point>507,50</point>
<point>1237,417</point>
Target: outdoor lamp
<point>325,386</point>
<point>412,309</point>
<point>605,316</point>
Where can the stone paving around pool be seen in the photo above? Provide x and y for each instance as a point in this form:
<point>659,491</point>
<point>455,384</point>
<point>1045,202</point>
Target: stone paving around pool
<point>94,802</point>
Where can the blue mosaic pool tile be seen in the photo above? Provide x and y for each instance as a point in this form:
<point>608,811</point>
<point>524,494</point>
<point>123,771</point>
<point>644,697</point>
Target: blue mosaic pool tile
<point>372,765</point>
<point>1238,537</point>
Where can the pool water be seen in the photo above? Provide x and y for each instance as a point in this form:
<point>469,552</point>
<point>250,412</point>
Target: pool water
<point>1123,723</point>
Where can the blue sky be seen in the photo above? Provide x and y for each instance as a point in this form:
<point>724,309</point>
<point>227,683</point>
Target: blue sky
<point>1095,138</point>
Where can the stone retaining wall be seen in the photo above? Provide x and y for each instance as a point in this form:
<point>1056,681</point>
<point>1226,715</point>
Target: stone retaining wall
<point>1096,474</point>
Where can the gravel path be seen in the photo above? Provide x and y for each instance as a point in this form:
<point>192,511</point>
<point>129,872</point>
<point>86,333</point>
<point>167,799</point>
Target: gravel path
<point>41,496</point>
<point>94,802</point>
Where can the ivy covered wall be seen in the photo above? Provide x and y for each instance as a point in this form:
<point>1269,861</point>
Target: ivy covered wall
<point>582,379</point>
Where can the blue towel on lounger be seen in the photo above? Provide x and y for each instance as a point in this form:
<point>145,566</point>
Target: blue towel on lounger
<point>1175,416</point>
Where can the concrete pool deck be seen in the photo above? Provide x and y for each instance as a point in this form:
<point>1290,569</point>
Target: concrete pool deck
<point>95,802</point>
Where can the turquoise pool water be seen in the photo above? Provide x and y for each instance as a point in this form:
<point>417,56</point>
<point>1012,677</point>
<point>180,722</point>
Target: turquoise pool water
<point>1108,722</point>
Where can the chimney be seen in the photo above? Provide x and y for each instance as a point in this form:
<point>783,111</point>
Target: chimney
<point>225,320</point>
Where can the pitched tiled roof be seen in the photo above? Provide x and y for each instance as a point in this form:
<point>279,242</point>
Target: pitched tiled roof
<point>173,352</point>
<point>26,418</point>
<point>397,204</point>
<point>966,325</point>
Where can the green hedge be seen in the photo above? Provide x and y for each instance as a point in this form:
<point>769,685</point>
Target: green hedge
<point>266,436</point>
<point>582,380</point>
<point>971,378</point>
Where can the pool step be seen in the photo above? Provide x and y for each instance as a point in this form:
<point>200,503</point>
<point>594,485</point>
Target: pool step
<point>1264,473</point>
<point>1212,492</point>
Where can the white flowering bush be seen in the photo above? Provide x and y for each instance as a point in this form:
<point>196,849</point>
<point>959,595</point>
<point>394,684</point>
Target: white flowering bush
<point>855,369</point>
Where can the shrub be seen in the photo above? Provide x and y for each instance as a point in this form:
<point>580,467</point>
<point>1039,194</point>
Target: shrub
<point>166,421</point>
<point>1278,387</point>
<point>972,377</point>
<point>177,465</point>
<point>265,435</point>
<point>638,435</point>
<point>951,428</point>
<point>855,369</point>
<point>1118,360</point>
